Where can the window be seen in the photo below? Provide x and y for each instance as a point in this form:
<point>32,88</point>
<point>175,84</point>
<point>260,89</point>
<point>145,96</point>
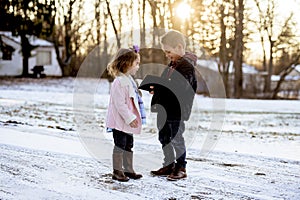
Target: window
<point>6,54</point>
<point>6,50</point>
<point>43,58</point>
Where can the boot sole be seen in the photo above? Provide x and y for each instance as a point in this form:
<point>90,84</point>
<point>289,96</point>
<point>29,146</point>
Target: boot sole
<point>159,175</point>
<point>176,179</point>
<point>136,177</point>
<point>121,180</point>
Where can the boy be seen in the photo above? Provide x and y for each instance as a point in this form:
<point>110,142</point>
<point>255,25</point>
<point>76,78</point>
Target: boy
<point>175,101</point>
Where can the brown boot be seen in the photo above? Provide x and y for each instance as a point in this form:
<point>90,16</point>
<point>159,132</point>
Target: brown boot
<point>133,175</point>
<point>118,173</point>
<point>128,166</point>
<point>119,176</point>
<point>178,173</point>
<point>164,171</point>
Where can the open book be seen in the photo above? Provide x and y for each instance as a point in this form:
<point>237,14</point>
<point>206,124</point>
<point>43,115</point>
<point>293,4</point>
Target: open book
<point>151,80</point>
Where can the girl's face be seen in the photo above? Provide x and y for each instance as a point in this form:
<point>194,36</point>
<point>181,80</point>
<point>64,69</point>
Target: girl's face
<point>135,66</point>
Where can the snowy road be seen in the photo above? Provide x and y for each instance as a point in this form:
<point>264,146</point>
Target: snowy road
<point>43,156</point>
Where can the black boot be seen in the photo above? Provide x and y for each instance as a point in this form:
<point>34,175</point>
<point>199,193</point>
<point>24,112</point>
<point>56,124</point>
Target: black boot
<point>118,173</point>
<point>128,166</point>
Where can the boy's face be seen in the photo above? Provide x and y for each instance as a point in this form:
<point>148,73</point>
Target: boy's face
<point>172,53</point>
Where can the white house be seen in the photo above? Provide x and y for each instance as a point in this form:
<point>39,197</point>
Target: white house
<point>11,60</point>
<point>290,88</point>
<point>209,73</point>
<point>294,75</point>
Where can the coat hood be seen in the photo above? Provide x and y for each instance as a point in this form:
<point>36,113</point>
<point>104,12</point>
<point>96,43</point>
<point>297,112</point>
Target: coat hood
<point>190,57</point>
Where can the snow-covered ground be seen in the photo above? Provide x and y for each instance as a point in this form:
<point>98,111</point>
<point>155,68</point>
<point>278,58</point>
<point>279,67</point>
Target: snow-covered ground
<point>51,150</point>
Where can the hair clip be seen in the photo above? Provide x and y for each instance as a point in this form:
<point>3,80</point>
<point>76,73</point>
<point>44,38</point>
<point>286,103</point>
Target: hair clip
<point>136,48</point>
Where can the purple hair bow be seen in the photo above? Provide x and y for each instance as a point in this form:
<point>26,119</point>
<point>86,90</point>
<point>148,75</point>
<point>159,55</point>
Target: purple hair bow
<point>136,48</point>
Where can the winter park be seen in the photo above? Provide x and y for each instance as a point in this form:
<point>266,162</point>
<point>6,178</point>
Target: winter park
<point>233,73</point>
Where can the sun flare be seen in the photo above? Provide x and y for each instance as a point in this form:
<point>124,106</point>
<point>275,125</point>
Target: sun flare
<point>183,11</point>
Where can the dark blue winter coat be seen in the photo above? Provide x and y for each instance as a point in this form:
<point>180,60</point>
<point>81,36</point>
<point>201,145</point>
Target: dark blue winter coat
<point>175,97</point>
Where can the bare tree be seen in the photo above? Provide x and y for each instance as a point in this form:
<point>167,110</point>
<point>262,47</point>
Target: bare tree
<point>238,48</point>
<point>225,23</point>
<point>23,18</point>
<point>154,9</point>
<point>269,30</point>
<point>113,24</point>
<point>288,44</point>
<point>97,6</point>
<point>142,23</point>
<point>260,25</point>
<point>286,71</point>
<point>67,35</point>
<point>276,36</point>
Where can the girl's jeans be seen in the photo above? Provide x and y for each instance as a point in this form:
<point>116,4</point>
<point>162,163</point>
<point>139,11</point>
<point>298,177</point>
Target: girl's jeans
<point>123,141</point>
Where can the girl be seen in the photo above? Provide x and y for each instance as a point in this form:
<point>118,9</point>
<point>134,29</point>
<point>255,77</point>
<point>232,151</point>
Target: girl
<point>125,112</point>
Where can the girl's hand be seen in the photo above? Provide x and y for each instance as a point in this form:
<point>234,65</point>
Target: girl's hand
<point>134,124</point>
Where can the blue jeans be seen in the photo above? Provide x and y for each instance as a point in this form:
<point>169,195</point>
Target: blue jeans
<point>123,141</point>
<point>171,137</point>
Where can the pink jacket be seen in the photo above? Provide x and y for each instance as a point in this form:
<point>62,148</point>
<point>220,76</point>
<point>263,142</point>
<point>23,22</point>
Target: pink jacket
<point>123,106</point>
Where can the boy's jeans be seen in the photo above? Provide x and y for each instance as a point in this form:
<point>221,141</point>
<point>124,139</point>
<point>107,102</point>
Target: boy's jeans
<point>171,137</point>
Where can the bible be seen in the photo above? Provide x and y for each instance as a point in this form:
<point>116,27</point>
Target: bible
<point>151,80</point>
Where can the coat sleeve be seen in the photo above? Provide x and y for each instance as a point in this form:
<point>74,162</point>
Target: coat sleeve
<point>120,103</point>
<point>158,91</point>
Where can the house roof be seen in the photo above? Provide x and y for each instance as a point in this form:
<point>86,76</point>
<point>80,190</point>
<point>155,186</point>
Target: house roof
<point>294,75</point>
<point>32,39</point>
<point>287,78</point>
<point>213,65</point>
<point>297,68</point>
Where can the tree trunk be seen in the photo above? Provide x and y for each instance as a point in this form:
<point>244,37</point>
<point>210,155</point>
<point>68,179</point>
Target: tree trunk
<point>154,7</point>
<point>223,65</point>
<point>270,68</point>
<point>113,24</point>
<point>143,25</point>
<point>290,67</point>
<point>98,22</point>
<point>238,51</point>
<point>26,54</point>
<point>174,20</point>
